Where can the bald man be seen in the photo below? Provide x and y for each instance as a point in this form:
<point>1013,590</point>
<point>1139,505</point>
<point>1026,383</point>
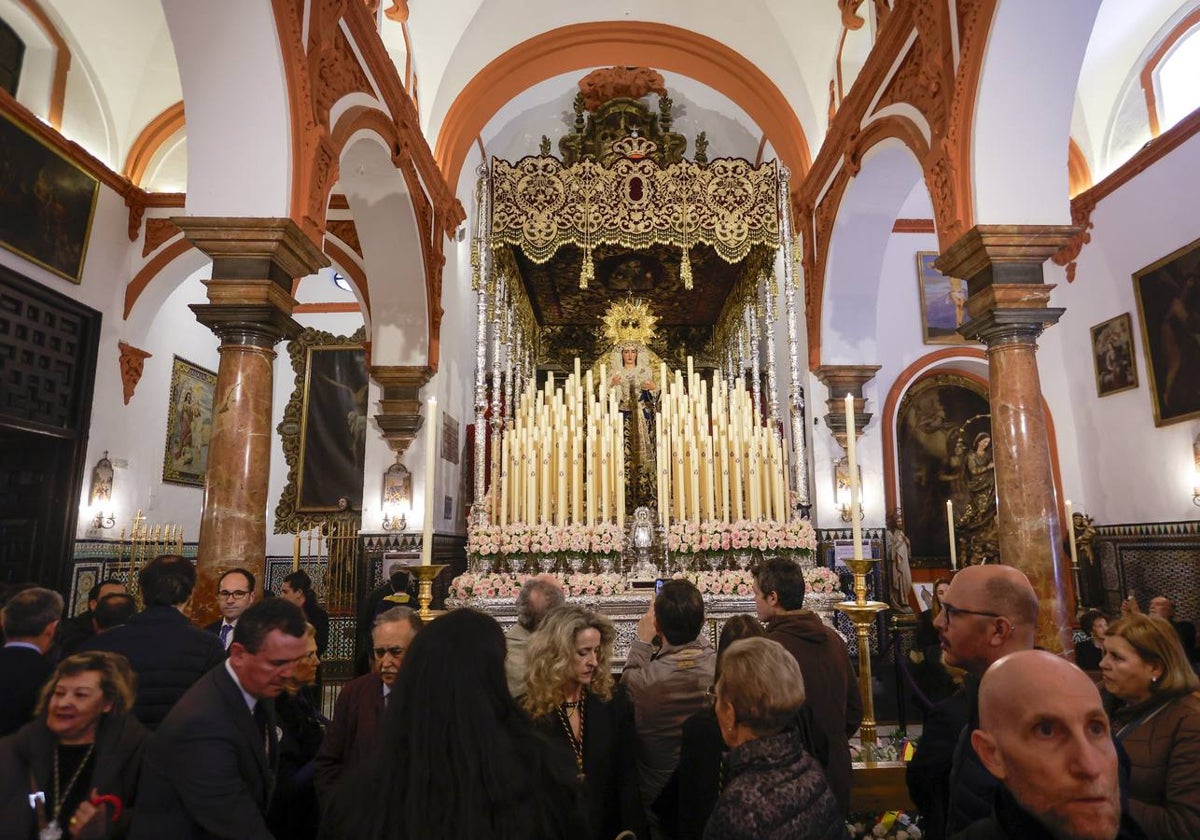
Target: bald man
<point>1044,735</point>
<point>987,613</point>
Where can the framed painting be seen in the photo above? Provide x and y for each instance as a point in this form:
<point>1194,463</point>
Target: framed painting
<point>449,439</point>
<point>1168,302</point>
<point>1112,354</point>
<point>943,302</point>
<point>189,423</point>
<point>46,203</point>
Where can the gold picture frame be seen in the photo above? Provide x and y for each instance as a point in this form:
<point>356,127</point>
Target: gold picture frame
<point>943,302</point>
<point>1168,304</point>
<point>189,423</point>
<point>1113,356</point>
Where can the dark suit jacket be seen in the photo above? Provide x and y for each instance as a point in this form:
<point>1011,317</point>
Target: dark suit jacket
<point>168,653</point>
<point>73,632</point>
<point>215,628</point>
<point>610,791</point>
<point>352,734</point>
<point>23,672</point>
<point>119,743</point>
<point>928,774</point>
<point>206,773</point>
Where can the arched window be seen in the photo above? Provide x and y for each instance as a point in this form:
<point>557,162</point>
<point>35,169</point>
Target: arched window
<point>1176,79</point>
<point>12,51</point>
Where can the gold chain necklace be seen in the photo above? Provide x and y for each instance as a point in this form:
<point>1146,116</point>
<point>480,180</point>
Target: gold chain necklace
<point>576,743</point>
<point>60,799</point>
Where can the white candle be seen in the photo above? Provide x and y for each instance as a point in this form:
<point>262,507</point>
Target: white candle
<point>1071,531</point>
<point>502,511</point>
<point>851,462</point>
<point>430,465</point>
<point>950,525</point>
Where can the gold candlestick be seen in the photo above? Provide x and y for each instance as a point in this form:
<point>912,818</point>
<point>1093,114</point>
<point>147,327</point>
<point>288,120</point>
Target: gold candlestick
<point>425,574</point>
<point>862,612</point>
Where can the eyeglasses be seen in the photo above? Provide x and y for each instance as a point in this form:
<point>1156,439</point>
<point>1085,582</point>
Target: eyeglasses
<point>394,652</point>
<point>952,611</point>
<point>236,594</point>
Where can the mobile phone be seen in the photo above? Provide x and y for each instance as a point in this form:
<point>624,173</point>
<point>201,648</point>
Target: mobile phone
<point>658,586</point>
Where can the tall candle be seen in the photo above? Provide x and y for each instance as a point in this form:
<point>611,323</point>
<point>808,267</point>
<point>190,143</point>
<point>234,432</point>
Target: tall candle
<point>590,472</point>
<point>950,525</point>
<point>1071,531</point>
<point>852,464</point>
<point>430,464</point>
<point>576,474</point>
<point>502,513</point>
<point>723,473</point>
<point>605,445</point>
<point>560,463</point>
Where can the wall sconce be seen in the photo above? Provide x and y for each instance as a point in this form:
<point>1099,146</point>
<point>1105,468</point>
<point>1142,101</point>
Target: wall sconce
<point>100,493</point>
<point>104,521</point>
<point>841,488</point>
<point>397,496</point>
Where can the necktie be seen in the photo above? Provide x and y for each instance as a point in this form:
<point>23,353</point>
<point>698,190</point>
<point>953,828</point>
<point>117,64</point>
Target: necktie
<point>225,629</point>
<point>260,720</point>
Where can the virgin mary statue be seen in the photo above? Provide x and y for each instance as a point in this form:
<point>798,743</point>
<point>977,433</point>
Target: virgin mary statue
<point>631,375</point>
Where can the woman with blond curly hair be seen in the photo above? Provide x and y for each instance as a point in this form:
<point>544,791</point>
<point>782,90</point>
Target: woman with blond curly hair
<point>569,693</point>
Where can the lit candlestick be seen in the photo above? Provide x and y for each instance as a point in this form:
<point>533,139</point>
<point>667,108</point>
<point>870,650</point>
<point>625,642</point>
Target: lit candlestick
<point>431,419</point>
<point>1071,531</point>
<point>950,525</point>
<point>852,464</point>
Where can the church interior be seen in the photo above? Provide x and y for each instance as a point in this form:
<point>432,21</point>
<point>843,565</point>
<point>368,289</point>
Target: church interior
<point>299,284</point>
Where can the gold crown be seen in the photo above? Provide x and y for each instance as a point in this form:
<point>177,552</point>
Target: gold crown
<point>634,147</point>
<point>629,322</point>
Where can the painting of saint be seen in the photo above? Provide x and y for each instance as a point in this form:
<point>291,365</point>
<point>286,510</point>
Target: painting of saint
<point>334,428</point>
<point>189,423</point>
<point>943,302</point>
<point>1168,297</point>
<point>944,449</point>
<point>1112,352</point>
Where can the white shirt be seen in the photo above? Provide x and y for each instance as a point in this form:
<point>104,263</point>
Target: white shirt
<point>32,646</point>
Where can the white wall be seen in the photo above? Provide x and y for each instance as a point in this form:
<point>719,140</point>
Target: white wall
<point>1131,471</point>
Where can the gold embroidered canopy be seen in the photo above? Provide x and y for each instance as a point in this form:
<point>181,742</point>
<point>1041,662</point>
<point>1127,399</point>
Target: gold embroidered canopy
<point>539,204</point>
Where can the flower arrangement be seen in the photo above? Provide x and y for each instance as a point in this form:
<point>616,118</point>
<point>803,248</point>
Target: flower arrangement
<point>742,535</point>
<point>822,581</point>
<point>606,538</point>
<point>731,582</point>
<point>507,585</point>
<point>891,825</point>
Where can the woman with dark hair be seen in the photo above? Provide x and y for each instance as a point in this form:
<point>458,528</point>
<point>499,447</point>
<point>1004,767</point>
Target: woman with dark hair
<point>927,635</point>
<point>1090,651</point>
<point>458,758</point>
<point>773,787</point>
<point>83,752</point>
<point>1151,692</point>
<point>297,588</point>
<point>569,693</point>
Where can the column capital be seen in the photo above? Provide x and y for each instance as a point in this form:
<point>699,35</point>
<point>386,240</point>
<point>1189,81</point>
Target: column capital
<point>400,403</point>
<point>842,380</point>
<point>1008,313</point>
<point>1005,254</point>
<point>244,248</point>
<point>256,312</point>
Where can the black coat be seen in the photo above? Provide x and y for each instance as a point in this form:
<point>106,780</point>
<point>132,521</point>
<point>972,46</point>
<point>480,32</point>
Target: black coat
<point>118,759</point>
<point>1009,821</point>
<point>294,811</point>
<point>207,772</point>
<point>23,672</point>
<point>73,632</point>
<point>609,763</point>
<point>167,652</point>
<point>928,774</point>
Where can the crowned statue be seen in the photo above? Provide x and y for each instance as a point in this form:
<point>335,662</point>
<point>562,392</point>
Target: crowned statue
<point>632,366</point>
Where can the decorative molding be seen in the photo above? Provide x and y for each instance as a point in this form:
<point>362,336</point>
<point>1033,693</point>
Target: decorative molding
<point>400,402</point>
<point>913,226</point>
<point>133,361</point>
<point>608,83</point>
<point>1079,174</point>
<point>345,230</point>
<point>62,61</point>
<point>158,231</point>
<point>150,140</point>
<point>842,380</point>
<point>150,270</point>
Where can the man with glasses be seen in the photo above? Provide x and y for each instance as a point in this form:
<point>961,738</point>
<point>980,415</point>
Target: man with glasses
<point>354,730</point>
<point>168,653</point>
<point>235,593</point>
<point>987,613</point>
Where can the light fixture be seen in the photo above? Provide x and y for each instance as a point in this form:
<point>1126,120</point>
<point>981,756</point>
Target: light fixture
<point>841,487</point>
<point>397,496</point>
<point>104,521</point>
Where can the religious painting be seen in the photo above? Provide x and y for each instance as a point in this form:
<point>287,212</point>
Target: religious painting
<point>46,203</point>
<point>189,423</point>
<point>449,439</point>
<point>333,433</point>
<point>943,302</point>
<point>1112,353</point>
<point>1168,300</point>
<point>944,453</point>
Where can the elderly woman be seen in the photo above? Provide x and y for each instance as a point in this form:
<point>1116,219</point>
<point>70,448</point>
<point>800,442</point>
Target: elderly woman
<point>79,757</point>
<point>569,693</point>
<point>773,788</point>
<point>1156,716</point>
<point>1090,651</point>
<point>294,811</point>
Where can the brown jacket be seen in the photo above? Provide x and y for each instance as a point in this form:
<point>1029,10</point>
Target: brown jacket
<point>1164,756</point>
<point>830,685</point>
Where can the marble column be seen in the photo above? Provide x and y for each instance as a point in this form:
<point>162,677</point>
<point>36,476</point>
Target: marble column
<point>1007,310</point>
<point>249,308</point>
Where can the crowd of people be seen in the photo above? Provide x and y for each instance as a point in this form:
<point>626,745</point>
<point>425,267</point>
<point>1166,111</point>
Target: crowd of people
<point>143,724</point>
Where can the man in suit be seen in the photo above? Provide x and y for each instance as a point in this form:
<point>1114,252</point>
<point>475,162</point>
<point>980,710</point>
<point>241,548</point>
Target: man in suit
<point>1164,608</point>
<point>30,621</point>
<point>168,653</point>
<point>354,730</point>
<point>235,594</point>
<point>73,632</point>
<point>209,770</point>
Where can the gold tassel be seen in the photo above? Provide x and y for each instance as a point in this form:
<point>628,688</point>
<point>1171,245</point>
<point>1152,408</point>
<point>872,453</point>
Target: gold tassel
<point>685,270</point>
<point>588,273</point>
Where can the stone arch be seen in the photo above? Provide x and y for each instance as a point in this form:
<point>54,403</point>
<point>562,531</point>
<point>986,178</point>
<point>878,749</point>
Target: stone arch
<point>585,45</point>
<point>1030,47</point>
<point>850,274</point>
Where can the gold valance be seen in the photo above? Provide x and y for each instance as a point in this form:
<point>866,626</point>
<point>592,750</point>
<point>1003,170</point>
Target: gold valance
<point>540,205</point>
